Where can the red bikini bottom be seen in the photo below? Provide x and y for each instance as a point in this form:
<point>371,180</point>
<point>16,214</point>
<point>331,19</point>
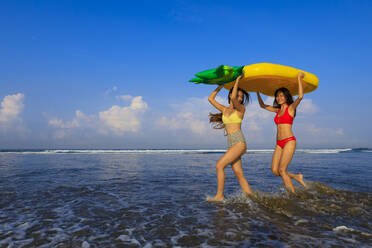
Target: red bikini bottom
<point>282,142</point>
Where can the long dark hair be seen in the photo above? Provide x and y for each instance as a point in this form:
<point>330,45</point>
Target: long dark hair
<point>288,98</point>
<point>216,119</point>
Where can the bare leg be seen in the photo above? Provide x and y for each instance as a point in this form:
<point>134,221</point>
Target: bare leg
<point>298,178</point>
<point>275,161</point>
<point>228,158</point>
<point>237,168</point>
<point>285,159</point>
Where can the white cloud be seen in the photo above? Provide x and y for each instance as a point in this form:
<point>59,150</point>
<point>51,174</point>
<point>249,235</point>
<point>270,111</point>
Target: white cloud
<point>257,116</point>
<point>186,121</point>
<point>125,97</point>
<point>323,131</point>
<point>339,131</point>
<point>187,124</point>
<point>117,120</point>
<point>109,91</point>
<point>80,120</point>
<point>124,119</point>
<point>307,107</point>
<point>201,105</point>
<point>11,107</point>
<point>269,100</point>
<point>191,115</point>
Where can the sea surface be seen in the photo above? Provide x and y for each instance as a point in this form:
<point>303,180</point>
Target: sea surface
<point>157,198</point>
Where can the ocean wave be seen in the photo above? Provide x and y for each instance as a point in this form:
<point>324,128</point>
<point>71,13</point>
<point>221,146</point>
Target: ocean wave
<point>174,151</point>
<point>104,151</point>
<point>323,150</point>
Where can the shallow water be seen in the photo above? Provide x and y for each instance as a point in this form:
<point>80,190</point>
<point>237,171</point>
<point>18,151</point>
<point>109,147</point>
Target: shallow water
<point>157,199</point>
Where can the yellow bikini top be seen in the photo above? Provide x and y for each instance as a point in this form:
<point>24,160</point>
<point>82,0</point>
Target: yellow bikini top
<point>233,118</point>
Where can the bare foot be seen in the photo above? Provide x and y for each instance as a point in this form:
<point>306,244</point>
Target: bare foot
<point>248,193</point>
<point>215,199</point>
<point>301,181</point>
<point>251,195</point>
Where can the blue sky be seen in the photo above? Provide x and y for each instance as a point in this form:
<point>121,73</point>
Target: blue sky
<point>114,74</point>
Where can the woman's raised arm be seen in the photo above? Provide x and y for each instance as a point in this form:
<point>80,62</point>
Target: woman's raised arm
<point>234,96</point>
<point>213,101</point>
<point>264,106</point>
<point>300,76</point>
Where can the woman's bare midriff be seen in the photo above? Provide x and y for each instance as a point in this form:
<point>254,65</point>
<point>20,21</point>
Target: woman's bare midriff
<point>232,128</point>
<point>284,131</point>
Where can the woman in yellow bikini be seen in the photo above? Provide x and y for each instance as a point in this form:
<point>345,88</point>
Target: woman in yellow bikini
<point>285,109</point>
<point>230,118</point>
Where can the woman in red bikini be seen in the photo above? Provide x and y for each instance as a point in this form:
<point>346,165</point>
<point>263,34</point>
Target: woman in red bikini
<point>285,109</point>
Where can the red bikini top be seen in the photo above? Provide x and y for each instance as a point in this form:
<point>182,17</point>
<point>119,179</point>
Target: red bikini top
<point>284,119</point>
